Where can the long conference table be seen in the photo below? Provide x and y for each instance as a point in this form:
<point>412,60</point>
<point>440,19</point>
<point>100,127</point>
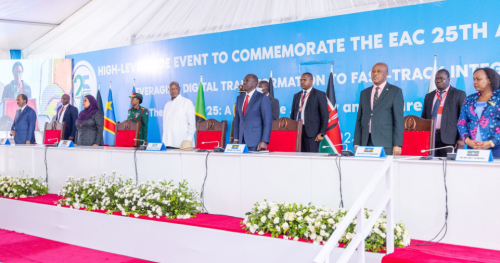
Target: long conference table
<point>235,182</point>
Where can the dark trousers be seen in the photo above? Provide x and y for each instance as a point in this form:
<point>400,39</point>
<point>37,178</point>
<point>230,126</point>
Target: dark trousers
<point>439,143</point>
<point>387,150</point>
<point>308,143</point>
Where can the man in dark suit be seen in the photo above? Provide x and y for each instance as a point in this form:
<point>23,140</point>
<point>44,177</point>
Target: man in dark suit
<point>444,104</point>
<point>17,86</point>
<point>23,127</point>
<point>310,106</point>
<point>67,113</point>
<point>253,118</point>
<point>380,114</point>
<point>263,87</point>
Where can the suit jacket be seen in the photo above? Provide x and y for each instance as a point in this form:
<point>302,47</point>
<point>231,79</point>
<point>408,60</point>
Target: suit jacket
<point>316,112</point>
<point>387,118</point>
<point>451,111</point>
<point>255,126</point>
<point>90,131</point>
<point>69,118</point>
<point>275,106</point>
<point>24,125</point>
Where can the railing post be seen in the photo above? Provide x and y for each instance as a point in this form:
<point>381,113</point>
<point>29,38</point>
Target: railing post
<point>389,210</point>
<point>359,231</point>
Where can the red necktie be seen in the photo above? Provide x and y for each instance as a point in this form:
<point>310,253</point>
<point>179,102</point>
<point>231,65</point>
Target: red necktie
<point>245,105</point>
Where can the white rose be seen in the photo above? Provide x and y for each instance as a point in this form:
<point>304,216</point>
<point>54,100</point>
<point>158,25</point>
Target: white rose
<point>285,226</point>
<point>261,233</point>
<point>263,219</point>
<point>278,229</point>
<point>313,236</point>
<point>276,220</point>
<point>22,196</point>
<point>296,239</point>
<point>323,227</point>
<point>319,238</point>
<point>322,233</point>
<point>399,229</point>
<point>330,221</point>
<point>348,236</point>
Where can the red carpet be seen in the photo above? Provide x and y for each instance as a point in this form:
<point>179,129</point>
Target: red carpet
<point>21,248</point>
<point>438,253</point>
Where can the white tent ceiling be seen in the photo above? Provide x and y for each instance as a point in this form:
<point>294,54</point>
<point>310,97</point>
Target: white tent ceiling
<point>24,21</point>
<point>101,24</point>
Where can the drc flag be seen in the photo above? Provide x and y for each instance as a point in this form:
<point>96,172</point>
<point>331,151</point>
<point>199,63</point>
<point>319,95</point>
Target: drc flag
<point>109,121</point>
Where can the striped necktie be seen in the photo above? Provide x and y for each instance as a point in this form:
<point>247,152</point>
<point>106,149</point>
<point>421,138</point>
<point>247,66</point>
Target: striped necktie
<point>375,97</point>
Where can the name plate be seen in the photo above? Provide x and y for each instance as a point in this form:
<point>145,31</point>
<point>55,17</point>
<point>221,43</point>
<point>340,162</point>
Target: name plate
<point>156,146</point>
<point>236,148</point>
<point>4,142</point>
<point>370,152</point>
<point>66,144</point>
<point>479,156</point>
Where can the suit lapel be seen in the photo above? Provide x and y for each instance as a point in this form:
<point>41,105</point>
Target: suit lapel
<point>21,114</point>
<point>386,90</point>
<point>430,102</point>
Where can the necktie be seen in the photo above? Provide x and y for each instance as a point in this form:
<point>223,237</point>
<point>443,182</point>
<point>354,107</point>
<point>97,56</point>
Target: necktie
<point>18,112</point>
<point>437,104</point>
<point>301,108</point>
<point>60,112</point>
<point>375,97</point>
<point>245,105</point>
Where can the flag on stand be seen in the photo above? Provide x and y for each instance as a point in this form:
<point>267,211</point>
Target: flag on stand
<point>271,89</point>
<point>99,99</point>
<point>333,135</point>
<point>133,91</point>
<point>109,121</point>
<point>432,83</point>
<point>200,112</point>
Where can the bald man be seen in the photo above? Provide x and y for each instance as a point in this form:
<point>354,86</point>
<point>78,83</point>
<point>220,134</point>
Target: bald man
<point>68,114</point>
<point>380,114</point>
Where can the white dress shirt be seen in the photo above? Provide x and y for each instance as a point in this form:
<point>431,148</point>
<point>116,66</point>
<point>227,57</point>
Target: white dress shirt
<point>303,115</point>
<point>63,109</point>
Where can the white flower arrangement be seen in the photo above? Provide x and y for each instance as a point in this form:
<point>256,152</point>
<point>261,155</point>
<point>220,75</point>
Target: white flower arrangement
<point>316,224</point>
<point>22,186</point>
<point>114,194</point>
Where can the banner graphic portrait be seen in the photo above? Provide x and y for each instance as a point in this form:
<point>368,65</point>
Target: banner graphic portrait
<point>43,81</point>
<point>462,36</point>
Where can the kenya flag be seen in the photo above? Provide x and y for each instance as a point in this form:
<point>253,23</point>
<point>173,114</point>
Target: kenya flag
<point>333,134</point>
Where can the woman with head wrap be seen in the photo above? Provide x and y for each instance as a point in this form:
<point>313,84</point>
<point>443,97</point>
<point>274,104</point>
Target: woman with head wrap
<point>90,124</point>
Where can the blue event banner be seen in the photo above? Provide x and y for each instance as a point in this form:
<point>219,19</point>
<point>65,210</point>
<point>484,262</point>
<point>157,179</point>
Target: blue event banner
<point>462,36</point>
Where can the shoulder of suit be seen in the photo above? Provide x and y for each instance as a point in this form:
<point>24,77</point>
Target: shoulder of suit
<point>318,91</point>
<point>390,86</point>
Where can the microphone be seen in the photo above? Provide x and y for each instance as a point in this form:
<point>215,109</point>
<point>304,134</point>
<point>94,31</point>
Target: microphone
<point>449,156</point>
<point>143,146</point>
<point>343,153</point>
<point>52,145</point>
<point>216,149</point>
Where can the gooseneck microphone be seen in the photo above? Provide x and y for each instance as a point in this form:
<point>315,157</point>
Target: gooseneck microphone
<point>449,156</point>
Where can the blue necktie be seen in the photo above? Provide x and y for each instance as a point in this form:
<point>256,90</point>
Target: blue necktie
<point>435,109</point>
<point>302,100</point>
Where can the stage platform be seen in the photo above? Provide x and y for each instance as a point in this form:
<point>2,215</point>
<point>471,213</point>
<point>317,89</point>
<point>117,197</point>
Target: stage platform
<point>206,238</point>
<point>236,181</point>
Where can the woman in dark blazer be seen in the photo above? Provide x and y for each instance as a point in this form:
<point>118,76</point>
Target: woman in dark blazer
<point>479,121</point>
<point>90,124</point>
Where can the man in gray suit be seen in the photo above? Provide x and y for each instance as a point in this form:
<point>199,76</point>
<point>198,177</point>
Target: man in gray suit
<point>380,114</point>
<point>263,87</point>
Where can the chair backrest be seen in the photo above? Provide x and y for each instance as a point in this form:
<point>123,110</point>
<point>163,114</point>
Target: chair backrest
<point>286,135</point>
<point>54,132</point>
<point>418,135</point>
<point>125,134</point>
<point>210,134</point>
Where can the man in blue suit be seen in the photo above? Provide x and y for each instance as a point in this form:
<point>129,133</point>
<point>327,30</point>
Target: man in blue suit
<point>253,117</point>
<point>23,127</point>
<point>68,114</point>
